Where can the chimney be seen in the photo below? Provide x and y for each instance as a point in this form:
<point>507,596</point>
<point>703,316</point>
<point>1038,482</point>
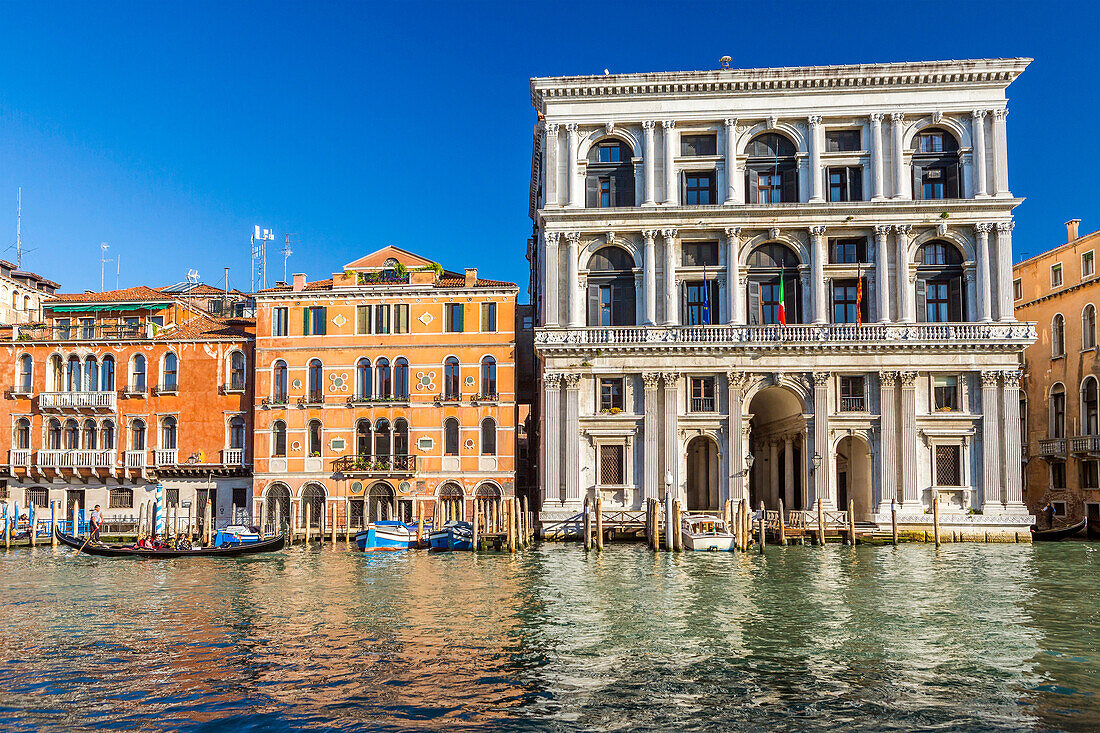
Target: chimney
<point>1071,229</point>
<point>299,282</point>
<point>471,277</point>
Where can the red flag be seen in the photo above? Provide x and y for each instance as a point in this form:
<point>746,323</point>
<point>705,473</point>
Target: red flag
<point>859,298</point>
<point>782,310</point>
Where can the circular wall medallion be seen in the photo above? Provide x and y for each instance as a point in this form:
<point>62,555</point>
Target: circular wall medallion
<point>356,487</point>
<point>339,320</point>
<point>469,444</point>
<point>470,381</point>
<point>297,384</point>
<point>404,487</point>
<point>296,445</point>
<point>338,382</point>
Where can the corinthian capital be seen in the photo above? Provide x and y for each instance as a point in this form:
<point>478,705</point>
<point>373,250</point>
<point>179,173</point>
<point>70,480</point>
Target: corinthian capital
<point>1005,226</point>
<point>572,127</point>
<point>552,380</point>
<point>897,116</point>
<point>572,239</point>
<point>1000,114</point>
<point>903,230</point>
<point>551,238</point>
<point>881,230</point>
<point>730,122</point>
<point>814,120</point>
<point>991,378</point>
<point>876,117</point>
<point>888,379</point>
<point>817,231</point>
<point>821,379</point>
<point>668,234</point>
<point>649,235</point>
<point>733,234</point>
<point>978,114</point>
<point>984,227</point>
<point>650,380</point>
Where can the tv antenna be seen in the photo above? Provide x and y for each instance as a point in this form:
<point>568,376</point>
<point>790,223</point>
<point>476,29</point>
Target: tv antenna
<point>103,260</point>
<point>287,252</point>
<point>260,238</point>
<point>192,281</point>
<point>19,230</point>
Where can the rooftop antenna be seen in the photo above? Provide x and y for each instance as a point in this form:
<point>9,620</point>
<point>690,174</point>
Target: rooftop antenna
<point>19,230</point>
<point>287,252</point>
<point>118,266</point>
<point>260,238</point>
<point>724,62</point>
<point>103,260</point>
<point>192,281</point>
<point>225,298</point>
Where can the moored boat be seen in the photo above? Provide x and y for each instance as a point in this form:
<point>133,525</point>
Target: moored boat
<point>386,535</point>
<point>453,536</point>
<point>100,550</point>
<point>1057,533</point>
<point>705,532</point>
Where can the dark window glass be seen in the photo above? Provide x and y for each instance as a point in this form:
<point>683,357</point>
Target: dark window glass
<point>488,437</point>
<point>699,254</point>
<point>839,141</point>
<point>770,145</point>
<point>451,379</point>
<point>946,393</point>
<point>845,293</point>
<point>706,144</point>
<point>605,199</point>
<point>1089,400</point>
<point>770,188</point>
<point>454,317</point>
<point>1058,412</point>
<point>702,394</point>
<point>611,152</point>
<point>1090,475</point>
<point>699,189</point>
<point>316,383</point>
<point>846,184</point>
<point>611,394</point>
<point>401,379</point>
<point>1058,480</point>
<point>488,317</point>
<point>847,251</point>
<point>450,437</point>
<point>851,394</point>
<point>700,302</point>
<point>279,322</point>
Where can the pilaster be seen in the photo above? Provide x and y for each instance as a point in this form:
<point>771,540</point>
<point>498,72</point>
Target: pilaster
<point>1012,461</point>
<point>572,437</point>
<point>901,182</point>
<point>1005,297</point>
<point>823,474</point>
<point>981,170</point>
<point>672,313</point>
<point>908,382</point>
<point>650,162</point>
<point>985,298</point>
<point>731,161</point>
<point>671,442</point>
<point>905,295</point>
<point>551,174</point>
<point>733,276</point>
<point>574,185</point>
<point>1000,154</point>
<point>817,142</point>
<point>573,285</point>
<point>877,174</point>
<point>992,429</point>
<point>882,273</point>
<point>672,190</point>
<point>550,282</point>
<point>736,383</point>
<point>888,437</point>
<point>552,488</point>
<point>649,266</point>
<point>817,264</point>
<point>651,428</point>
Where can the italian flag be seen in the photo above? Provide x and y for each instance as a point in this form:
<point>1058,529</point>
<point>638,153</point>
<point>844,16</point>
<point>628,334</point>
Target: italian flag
<point>782,309</point>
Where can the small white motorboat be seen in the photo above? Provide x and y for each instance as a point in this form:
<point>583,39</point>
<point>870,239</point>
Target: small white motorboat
<point>706,532</point>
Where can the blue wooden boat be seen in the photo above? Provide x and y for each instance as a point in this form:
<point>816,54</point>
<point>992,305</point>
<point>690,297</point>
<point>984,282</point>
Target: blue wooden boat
<point>453,536</point>
<point>386,535</point>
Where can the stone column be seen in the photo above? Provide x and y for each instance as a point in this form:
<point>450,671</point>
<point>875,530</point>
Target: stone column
<point>817,142</point>
<point>550,284</point>
<point>977,128</point>
<point>649,161</point>
<point>572,280</point>
<point>672,313</point>
<point>672,189</point>
<point>906,302</point>
<point>985,296</point>
<point>1000,154</point>
<point>788,472</point>
<point>552,489</point>
<point>731,161</point>
<point>882,273</point>
<point>877,174</point>
<point>571,447</point>
<point>651,482</point>
<point>888,437</point>
<point>1005,296</point>
<point>773,473</point>
<point>992,457</point>
<point>1013,480</point>
<point>671,441</point>
<point>649,267</point>
<point>823,475</point>
<point>551,176</point>
<point>909,437</point>
<point>817,264</point>
<point>575,187</point>
<point>736,382</point>
<point>733,276</point>
<point>901,182</point>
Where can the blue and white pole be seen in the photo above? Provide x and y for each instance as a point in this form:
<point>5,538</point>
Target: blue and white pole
<point>160,523</point>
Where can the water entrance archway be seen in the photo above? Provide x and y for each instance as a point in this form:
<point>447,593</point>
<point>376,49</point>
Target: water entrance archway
<point>853,476</point>
<point>702,475</point>
<point>777,441</point>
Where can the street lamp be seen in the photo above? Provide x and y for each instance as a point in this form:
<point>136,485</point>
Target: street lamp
<point>749,460</point>
<point>816,460</point>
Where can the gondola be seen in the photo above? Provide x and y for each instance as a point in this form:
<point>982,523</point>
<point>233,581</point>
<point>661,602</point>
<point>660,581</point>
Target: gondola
<point>273,545</point>
<point>1058,533</point>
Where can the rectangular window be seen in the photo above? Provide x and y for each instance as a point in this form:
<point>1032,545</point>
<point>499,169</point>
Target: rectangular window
<point>1090,474</point>
<point>240,498</point>
<point>611,465</point>
<point>1058,478</point>
<point>63,329</point>
<point>937,302</point>
<point>946,394</point>
<point>37,497</point>
<point>172,497</point>
<point>362,319</point>
<point>851,394</point>
<point>605,198</point>
<point>381,319</point>
<point>931,142</point>
<point>279,322</point>
<point>1056,276</point>
<point>932,182</point>
<point>846,183</point>
<point>453,319</point>
<point>1017,289</point>
<point>611,304</point>
<point>1088,264</point>
<point>488,317</point>
<point>769,188</point>
<point>699,189</point>
<point>948,465</point>
<point>700,302</point>
<point>842,141</point>
<point>314,321</point>
<point>611,395</point>
<point>702,395</point>
<point>401,318</point>
<point>87,328</point>
<point>699,254</point>
<point>705,144</point>
<point>610,153</point>
<point>847,251</point>
<point>845,297</point>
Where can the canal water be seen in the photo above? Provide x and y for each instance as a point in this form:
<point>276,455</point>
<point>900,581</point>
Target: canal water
<point>970,636</point>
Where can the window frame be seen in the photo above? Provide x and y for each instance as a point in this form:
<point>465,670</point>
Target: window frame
<point>703,394</point>
<point>280,320</point>
<point>610,395</point>
<point>1089,257</point>
<point>1056,269</point>
<point>952,385</point>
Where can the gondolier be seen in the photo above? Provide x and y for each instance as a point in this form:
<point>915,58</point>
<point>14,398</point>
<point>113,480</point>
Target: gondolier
<point>95,521</point>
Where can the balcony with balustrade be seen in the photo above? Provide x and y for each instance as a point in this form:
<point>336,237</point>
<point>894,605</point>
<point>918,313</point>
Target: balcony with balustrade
<point>375,466</point>
<point>136,459</point>
<point>19,458</point>
<point>233,457</point>
<point>1086,444</point>
<point>165,456</point>
<point>65,458</point>
<point>1053,448</point>
<point>77,400</point>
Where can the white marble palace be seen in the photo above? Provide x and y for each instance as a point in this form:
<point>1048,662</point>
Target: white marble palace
<point>789,283</point>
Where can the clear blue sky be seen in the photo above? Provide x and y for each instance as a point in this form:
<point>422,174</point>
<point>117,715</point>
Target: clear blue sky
<point>169,129</point>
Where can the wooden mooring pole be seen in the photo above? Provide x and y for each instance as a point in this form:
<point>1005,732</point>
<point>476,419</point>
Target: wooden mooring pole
<point>53,522</point>
<point>852,522</point>
<point>762,513</point>
<point>936,518</point>
<point>308,518</point>
<point>586,524</point>
<point>820,523</point>
<point>677,533</point>
<point>742,537</point>
<point>599,522</point>
<point>782,526</point>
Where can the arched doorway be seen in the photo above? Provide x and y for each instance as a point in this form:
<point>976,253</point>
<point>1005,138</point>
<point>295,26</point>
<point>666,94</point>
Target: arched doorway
<point>450,502</point>
<point>487,502</point>
<point>381,502</point>
<point>853,476</point>
<point>277,505</point>
<point>702,475</point>
<point>777,442</point>
<point>313,497</point>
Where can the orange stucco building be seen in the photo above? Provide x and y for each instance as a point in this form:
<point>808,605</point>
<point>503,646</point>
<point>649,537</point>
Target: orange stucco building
<point>117,392</point>
<point>1060,291</point>
<point>386,389</point>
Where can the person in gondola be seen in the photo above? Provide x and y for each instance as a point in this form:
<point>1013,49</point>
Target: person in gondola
<point>1048,512</point>
<point>95,521</point>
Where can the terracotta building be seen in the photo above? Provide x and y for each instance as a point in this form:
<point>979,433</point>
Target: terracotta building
<point>1060,291</point>
<point>387,386</point>
<point>116,392</point>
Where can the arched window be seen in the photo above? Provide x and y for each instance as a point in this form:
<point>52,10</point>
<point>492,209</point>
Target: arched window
<point>611,294</point>
<point>450,436</point>
<point>936,171</point>
<point>452,383</point>
<point>137,435</point>
<point>1088,327</point>
<point>23,433</point>
<point>1057,411</point>
<point>362,379</point>
<point>72,435</point>
<point>609,175</point>
<point>170,381</point>
<point>88,438</point>
<point>107,374</point>
<point>1058,336</point>
<point>383,378</point>
<point>107,435</point>
<point>382,437</point>
<point>91,374</point>
<point>26,302</point>
<point>313,497</point>
<point>72,374</point>
<point>940,294</point>
<point>56,374</point>
<point>488,378</point>
<point>400,437</point>
<point>773,280</point>
<point>488,437</point>
<point>236,370</point>
<point>314,438</point>
<point>236,432</point>
<point>169,433</point>
<point>278,439</point>
<point>53,434</point>
<point>1089,406</point>
<point>15,300</point>
<point>316,381</point>
<point>137,373</point>
<point>362,438</point>
<point>771,170</point>
<point>279,385</point>
<point>26,373</point>
<point>401,378</point>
